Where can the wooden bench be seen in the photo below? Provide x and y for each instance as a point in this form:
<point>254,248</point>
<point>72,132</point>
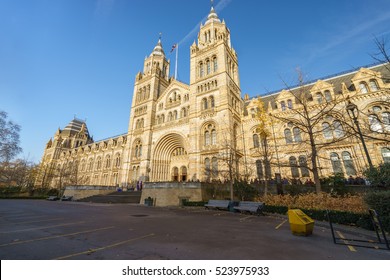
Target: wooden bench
<point>218,204</point>
<point>250,206</point>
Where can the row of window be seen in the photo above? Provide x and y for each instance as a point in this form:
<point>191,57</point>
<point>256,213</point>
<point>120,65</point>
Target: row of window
<point>137,150</point>
<point>140,110</point>
<point>99,163</point>
<point>208,102</point>
<point>174,98</point>
<point>207,66</point>
<point>371,86</point>
<point>210,135</point>
<point>207,86</point>
<point>211,167</point>
<point>172,116</point>
<point>105,180</point>
<point>139,123</point>
<point>143,94</point>
<point>330,131</point>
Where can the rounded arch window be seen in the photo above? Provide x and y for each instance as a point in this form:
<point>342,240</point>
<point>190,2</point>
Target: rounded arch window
<point>209,135</point>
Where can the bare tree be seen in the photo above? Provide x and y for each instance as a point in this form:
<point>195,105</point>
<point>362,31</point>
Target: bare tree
<point>309,119</point>
<point>224,162</point>
<point>9,138</point>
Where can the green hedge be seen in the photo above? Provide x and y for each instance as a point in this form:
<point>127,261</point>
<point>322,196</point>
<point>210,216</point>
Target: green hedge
<point>380,201</point>
<point>339,217</point>
<point>193,203</point>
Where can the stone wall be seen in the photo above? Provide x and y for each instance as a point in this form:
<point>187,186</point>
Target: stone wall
<point>79,192</point>
<point>171,193</point>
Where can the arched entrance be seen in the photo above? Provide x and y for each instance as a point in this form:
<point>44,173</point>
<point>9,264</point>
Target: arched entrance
<point>183,173</point>
<point>170,159</point>
<point>175,174</point>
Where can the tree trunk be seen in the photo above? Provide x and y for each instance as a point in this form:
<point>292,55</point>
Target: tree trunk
<point>314,165</point>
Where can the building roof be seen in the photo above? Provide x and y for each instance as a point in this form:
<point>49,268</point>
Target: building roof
<point>336,81</point>
<point>74,127</point>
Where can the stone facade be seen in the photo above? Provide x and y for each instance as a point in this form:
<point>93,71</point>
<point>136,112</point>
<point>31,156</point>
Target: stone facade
<point>207,131</point>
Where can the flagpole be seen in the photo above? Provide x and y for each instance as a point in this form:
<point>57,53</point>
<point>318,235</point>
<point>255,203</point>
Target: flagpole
<point>177,55</point>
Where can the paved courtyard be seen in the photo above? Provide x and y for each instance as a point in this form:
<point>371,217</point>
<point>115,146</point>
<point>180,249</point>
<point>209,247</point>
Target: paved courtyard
<point>45,230</point>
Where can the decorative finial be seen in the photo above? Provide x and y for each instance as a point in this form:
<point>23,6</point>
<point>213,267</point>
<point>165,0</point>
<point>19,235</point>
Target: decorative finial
<point>159,37</point>
<point>212,3</point>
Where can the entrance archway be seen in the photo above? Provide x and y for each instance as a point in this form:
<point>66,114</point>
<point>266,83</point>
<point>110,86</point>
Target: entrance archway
<point>169,153</point>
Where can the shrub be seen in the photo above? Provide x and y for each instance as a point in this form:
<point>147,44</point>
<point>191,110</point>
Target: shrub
<point>337,180</point>
<point>322,201</point>
<point>244,191</point>
<point>379,176</point>
<point>380,202</point>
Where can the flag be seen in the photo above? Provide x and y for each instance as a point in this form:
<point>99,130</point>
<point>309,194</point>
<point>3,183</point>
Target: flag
<point>173,47</point>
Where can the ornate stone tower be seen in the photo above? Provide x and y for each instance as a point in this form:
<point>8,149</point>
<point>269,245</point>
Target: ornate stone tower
<point>215,97</point>
<point>149,85</point>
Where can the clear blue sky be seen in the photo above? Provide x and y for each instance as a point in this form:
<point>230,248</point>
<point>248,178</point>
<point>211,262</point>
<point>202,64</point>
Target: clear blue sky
<point>61,58</point>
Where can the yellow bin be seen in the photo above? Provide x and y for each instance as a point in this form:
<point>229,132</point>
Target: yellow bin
<point>300,223</point>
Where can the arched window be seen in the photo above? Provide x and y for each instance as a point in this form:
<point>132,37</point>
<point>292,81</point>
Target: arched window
<point>294,167</point>
<point>319,97</point>
<point>170,116</point>
<point>386,120</point>
<point>207,167</point>
<point>99,163</point>
<point>108,162</point>
<point>363,87</point>
<point>373,85</point>
<point>210,135</point>
<point>289,104</point>
<point>211,101</point>
<point>303,166</point>
<point>328,96</point>
<point>183,112</point>
<point>288,136</point>
<point>204,104</point>
<point>375,124</point>
<point>385,155</point>
<point>327,131</point>
<point>259,169</point>
<point>215,64</point>
<point>348,164</point>
<point>201,73</point>
<point>283,105</point>
<point>336,164</point>
<point>256,142</point>
<point>207,138</point>
<point>214,167</point>
<point>90,164</point>
<point>175,115</point>
<point>137,149</point>
<point>213,137</point>
<point>117,160</point>
<point>208,66</point>
<point>338,129</point>
<point>82,165</point>
<point>297,135</point>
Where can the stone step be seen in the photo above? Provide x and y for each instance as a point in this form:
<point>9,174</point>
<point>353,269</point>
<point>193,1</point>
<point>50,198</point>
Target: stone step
<point>115,197</point>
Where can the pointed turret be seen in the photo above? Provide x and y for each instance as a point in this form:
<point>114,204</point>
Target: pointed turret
<point>212,17</point>
<point>156,62</point>
<point>158,49</point>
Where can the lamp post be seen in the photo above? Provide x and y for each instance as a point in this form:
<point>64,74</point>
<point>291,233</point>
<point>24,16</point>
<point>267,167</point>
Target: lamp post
<point>353,113</point>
